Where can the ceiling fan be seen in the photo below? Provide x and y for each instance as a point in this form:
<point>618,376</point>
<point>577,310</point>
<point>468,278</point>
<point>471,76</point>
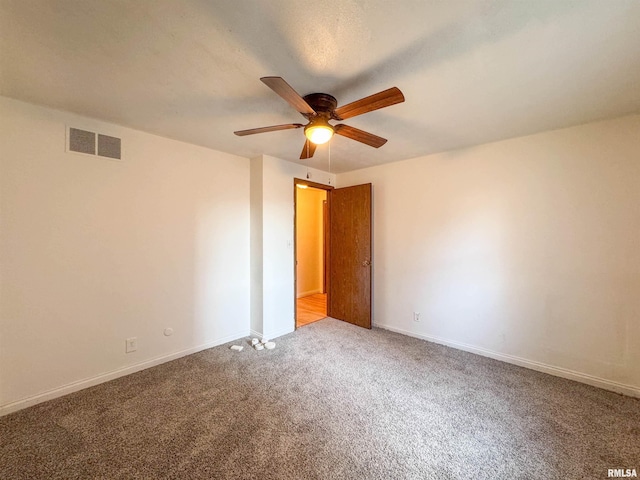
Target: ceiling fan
<point>319,108</point>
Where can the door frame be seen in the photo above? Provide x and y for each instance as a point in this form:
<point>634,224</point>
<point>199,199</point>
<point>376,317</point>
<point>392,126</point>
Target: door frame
<point>327,253</point>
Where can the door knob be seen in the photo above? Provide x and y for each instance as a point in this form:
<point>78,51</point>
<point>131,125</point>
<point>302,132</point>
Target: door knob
<point>366,263</point>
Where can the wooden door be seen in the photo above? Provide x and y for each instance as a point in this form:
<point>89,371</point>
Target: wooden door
<point>349,286</point>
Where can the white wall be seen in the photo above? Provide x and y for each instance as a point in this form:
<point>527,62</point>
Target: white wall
<point>256,167</point>
<point>276,209</point>
<point>527,250</point>
<point>94,250</point>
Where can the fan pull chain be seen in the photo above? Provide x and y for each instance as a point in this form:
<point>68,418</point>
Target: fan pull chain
<point>329,163</point>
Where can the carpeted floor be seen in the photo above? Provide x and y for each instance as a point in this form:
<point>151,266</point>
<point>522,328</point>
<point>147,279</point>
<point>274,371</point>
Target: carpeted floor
<point>332,401</point>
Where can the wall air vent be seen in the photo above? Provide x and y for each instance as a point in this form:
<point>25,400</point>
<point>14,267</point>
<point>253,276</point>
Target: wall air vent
<point>83,141</point>
<point>108,146</point>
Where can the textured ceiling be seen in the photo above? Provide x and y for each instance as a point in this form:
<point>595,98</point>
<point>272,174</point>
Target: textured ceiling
<point>472,71</point>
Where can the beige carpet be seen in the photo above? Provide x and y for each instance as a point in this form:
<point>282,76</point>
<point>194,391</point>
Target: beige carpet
<point>332,401</point>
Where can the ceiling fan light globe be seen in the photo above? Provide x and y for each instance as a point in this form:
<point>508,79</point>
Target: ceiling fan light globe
<point>318,134</point>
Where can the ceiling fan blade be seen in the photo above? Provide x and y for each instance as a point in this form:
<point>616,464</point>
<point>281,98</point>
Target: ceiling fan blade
<point>273,128</point>
<point>360,135</point>
<point>308,150</point>
<point>373,102</point>
<point>282,88</point>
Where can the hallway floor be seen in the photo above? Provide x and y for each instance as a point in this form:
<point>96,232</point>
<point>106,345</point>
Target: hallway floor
<point>311,309</point>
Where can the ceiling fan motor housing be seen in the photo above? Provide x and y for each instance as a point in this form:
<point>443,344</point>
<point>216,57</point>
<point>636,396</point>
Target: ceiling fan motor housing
<point>323,103</point>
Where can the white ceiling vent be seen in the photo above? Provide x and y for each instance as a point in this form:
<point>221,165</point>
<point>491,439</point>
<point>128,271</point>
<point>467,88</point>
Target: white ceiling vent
<point>83,141</point>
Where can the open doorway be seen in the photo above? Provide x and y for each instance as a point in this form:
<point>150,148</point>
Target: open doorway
<point>340,270</point>
<point>311,252</point>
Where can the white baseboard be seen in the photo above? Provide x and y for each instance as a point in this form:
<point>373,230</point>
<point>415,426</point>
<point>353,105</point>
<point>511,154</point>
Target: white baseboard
<point>310,292</point>
<point>629,390</point>
<point>105,377</point>
<point>281,332</point>
<point>255,333</point>
<point>277,334</point>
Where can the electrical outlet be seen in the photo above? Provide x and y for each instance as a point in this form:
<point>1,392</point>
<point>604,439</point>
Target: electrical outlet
<point>416,316</point>
<point>131,344</point>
